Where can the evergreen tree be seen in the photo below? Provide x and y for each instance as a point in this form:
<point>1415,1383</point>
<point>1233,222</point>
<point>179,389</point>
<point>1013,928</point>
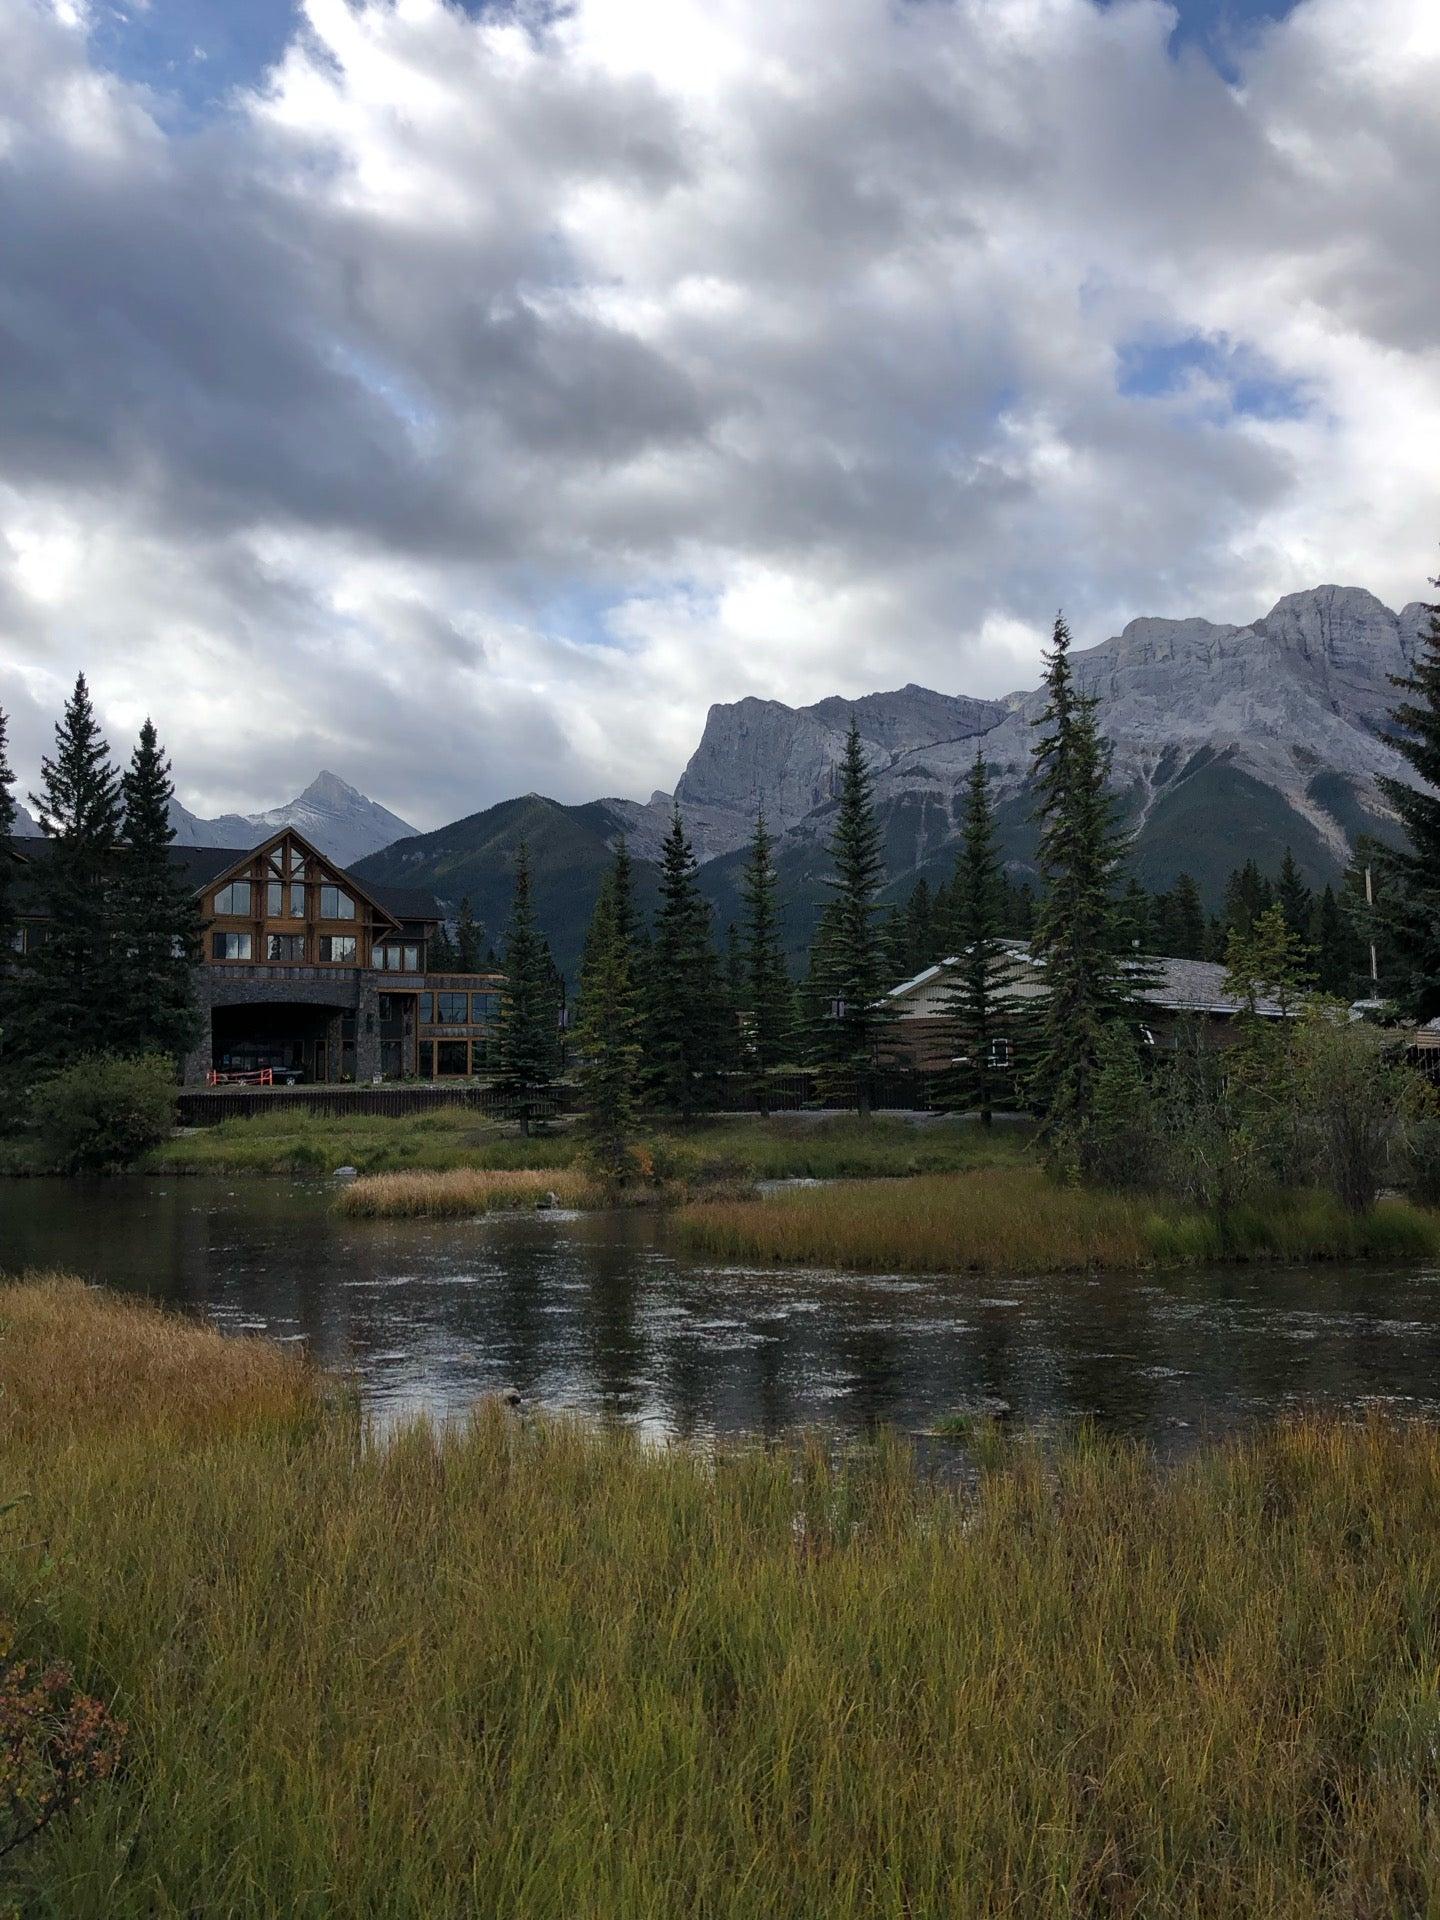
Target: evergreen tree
<point>157,917</point>
<point>9,916</point>
<point>67,1008</point>
<point>682,987</point>
<point>1186,920</point>
<point>470,936</point>
<point>980,1006</point>
<point>1363,902</point>
<point>1268,962</point>
<point>441,955</point>
<point>1339,956</point>
<point>769,1003</point>
<point>1411,913</point>
<point>1135,920</point>
<point>530,1005</point>
<point>812,995</point>
<point>608,1032</point>
<point>1247,895</point>
<point>1078,936</point>
<point>1295,899</point>
<point>858,1010</point>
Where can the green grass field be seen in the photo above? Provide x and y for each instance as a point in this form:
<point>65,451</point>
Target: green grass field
<point>293,1140</point>
<point>553,1674</point>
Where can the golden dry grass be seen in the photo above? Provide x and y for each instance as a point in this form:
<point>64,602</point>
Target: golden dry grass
<point>542,1671</point>
<point>1001,1219</point>
<point>460,1191</point>
<point>77,1359</point>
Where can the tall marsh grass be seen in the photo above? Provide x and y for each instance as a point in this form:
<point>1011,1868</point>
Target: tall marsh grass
<point>540,1671</point>
<point>1018,1220</point>
<point>463,1191</point>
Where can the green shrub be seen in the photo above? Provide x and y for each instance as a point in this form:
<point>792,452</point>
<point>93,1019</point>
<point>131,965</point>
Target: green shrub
<point>105,1111</point>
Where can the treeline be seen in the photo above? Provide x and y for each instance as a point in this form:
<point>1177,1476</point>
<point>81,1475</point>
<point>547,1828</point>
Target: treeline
<point>1336,925</point>
<point>112,969</point>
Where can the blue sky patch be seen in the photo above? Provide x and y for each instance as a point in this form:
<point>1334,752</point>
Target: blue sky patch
<point>1225,380</point>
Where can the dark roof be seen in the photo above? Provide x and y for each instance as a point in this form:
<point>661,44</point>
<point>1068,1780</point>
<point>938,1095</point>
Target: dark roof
<point>201,865</point>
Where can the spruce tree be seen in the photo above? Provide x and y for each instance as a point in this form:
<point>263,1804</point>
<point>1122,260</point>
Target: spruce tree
<point>1339,956</point>
<point>67,1008</point>
<point>157,917</point>
<point>9,888</point>
<point>858,1011</point>
<point>529,1006</point>
<point>980,1007</point>
<point>440,957</point>
<point>470,936</point>
<point>1411,912</point>
<point>1187,920</point>
<point>1078,935</point>
<point>607,1035</point>
<point>683,990</point>
<point>770,1002</point>
<point>1294,899</point>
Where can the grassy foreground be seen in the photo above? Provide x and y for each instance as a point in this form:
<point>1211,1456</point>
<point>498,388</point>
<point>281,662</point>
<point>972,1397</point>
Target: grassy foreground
<point>1016,1219</point>
<point>540,1671</point>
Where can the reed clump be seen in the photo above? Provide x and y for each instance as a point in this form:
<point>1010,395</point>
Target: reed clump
<point>1008,1219</point>
<point>539,1670</point>
<point>462,1191</point>
<point>1019,1220</point>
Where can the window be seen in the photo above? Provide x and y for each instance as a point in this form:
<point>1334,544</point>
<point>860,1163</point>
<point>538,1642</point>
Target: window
<point>285,946</point>
<point>452,1057</point>
<point>234,899</point>
<point>17,940</point>
<point>398,959</point>
<point>451,1009</point>
<point>427,1009</point>
<point>231,946</point>
<point>284,902</point>
<point>487,1006</point>
<point>297,865</point>
<point>336,904</point>
<point>338,947</point>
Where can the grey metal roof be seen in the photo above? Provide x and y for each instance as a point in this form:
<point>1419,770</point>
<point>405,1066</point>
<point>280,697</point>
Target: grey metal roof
<point>1174,986</point>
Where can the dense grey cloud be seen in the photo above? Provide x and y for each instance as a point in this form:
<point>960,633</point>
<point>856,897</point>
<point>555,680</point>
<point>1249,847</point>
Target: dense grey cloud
<point>477,398</point>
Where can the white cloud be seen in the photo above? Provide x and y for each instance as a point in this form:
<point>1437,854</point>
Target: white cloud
<point>479,398</point>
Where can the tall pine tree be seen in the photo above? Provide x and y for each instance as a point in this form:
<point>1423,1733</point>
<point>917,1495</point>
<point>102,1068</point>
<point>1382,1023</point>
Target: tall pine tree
<point>67,1008</point>
<point>858,1012</point>
<point>608,1032</point>
<point>1294,899</point>
<point>770,1003</point>
<point>470,938</point>
<point>980,1005</point>
<point>529,1007</point>
<point>683,990</point>
<point>1078,937</point>
<point>157,918</point>
<point>9,888</point>
<point>1411,907</point>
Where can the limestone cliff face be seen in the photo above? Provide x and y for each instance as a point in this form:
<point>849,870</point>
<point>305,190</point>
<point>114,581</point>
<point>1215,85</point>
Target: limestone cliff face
<point>1294,703</point>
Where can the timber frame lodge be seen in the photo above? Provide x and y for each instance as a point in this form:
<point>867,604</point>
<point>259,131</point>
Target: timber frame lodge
<point>311,973</point>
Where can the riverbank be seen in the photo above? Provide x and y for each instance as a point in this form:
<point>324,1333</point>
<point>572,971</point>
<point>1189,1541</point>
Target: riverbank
<point>1018,1220</point>
<point>533,1669</point>
<point>793,1146</point>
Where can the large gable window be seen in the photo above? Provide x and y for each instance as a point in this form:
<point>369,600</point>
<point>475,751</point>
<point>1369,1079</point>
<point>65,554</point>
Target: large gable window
<point>336,904</point>
<point>235,898</point>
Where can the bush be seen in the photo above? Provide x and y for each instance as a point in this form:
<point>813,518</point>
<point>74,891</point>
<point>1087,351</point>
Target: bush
<point>55,1742</point>
<point>105,1111</point>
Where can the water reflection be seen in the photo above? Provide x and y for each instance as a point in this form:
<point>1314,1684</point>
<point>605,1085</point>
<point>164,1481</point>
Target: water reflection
<point>597,1313</point>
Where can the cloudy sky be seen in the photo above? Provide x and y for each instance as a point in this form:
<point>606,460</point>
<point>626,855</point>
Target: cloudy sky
<point>465,397</point>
